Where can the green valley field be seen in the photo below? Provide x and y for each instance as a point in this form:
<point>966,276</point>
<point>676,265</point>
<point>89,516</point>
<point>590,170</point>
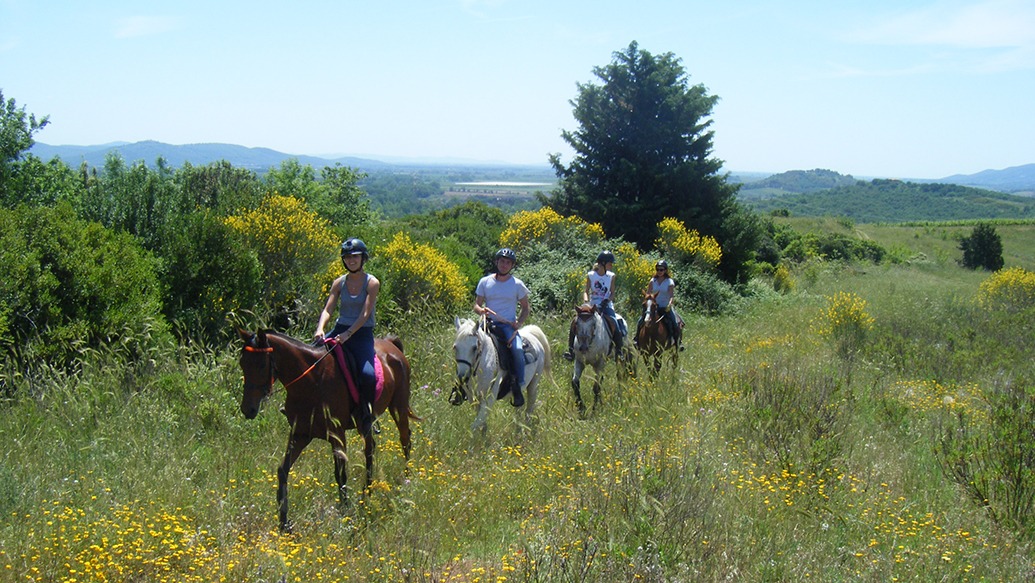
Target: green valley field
<point>874,422</point>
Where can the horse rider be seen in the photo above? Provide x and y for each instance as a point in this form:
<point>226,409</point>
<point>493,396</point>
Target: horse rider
<point>498,296</point>
<point>664,286</point>
<point>354,329</point>
<point>598,291</point>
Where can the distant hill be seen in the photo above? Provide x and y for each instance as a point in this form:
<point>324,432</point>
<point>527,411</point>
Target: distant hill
<point>1016,179</point>
<point>257,159</point>
<point>794,181</point>
<point>894,201</point>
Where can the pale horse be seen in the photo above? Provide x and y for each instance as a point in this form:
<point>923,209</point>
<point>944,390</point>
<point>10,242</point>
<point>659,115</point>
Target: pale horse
<point>478,362</point>
<point>593,348</point>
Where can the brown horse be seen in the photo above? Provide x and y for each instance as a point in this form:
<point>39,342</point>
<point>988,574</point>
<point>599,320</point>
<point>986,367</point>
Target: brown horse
<point>653,338</point>
<point>317,403</point>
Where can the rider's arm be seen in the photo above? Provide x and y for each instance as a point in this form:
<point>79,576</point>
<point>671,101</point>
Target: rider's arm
<point>523,315</point>
<point>328,309</point>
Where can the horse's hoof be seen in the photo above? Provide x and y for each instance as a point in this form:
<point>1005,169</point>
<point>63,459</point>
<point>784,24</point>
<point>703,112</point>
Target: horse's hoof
<point>287,527</point>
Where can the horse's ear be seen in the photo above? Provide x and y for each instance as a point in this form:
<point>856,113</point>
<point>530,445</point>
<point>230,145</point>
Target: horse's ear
<point>456,322</point>
<point>244,334</point>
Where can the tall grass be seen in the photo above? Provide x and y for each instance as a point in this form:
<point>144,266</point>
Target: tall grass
<point>765,456</point>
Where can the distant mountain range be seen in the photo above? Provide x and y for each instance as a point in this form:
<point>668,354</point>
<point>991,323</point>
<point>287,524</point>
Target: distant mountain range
<point>1016,180</point>
<point>256,159</point>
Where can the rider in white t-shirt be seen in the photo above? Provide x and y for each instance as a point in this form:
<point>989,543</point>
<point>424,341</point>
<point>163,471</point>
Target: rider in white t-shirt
<point>499,296</point>
<point>599,292</point>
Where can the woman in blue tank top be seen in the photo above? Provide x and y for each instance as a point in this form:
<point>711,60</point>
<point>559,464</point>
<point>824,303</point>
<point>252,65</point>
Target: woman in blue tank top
<point>355,296</point>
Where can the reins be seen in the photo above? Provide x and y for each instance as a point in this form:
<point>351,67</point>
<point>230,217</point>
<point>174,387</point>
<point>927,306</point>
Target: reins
<point>459,393</point>
<point>269,350</point>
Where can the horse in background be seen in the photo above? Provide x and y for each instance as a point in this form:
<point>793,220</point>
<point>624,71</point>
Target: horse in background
<point>592,347</point>
<point>653,337</point>
<point>477,361</point>
<point>317,403</point>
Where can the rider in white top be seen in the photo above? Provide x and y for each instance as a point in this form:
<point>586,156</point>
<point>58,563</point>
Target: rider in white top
<point>663,285</point>
<point>599,292</point>
<point>498,296</point>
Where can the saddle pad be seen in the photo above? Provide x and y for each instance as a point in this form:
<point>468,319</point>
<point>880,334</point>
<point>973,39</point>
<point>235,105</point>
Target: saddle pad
<point>379,374</point>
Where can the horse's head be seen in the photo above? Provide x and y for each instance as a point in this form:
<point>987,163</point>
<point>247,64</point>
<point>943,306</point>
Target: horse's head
<point>257,365</point>
<point>587,323</point>
<point>466,350</point>
<point>650,306</point>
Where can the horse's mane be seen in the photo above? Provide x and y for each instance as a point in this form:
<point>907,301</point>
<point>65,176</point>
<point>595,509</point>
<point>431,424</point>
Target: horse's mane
<point>289,339</point>
<point>394,339</point>
<point>467,326</point>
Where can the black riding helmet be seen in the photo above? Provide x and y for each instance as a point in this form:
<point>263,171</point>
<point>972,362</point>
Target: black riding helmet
<point>605,257</point>
<point>661,264</point>
<point>354,247</point>
<point>506,252</point>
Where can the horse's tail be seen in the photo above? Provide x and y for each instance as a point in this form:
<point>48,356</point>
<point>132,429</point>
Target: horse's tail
<point>535,331</point>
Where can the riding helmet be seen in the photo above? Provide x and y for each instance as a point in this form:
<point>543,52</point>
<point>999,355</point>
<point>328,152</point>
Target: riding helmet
<point>354,247</point>
<point>661,264</point>
<point>506,252</point>
<point>605,257</point>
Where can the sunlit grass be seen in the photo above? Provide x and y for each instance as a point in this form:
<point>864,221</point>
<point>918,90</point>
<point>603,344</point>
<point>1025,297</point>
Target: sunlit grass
<point>102,484</point>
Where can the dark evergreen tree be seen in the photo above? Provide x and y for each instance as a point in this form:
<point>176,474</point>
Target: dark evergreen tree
<point>983,248</point>
<point>643,152</point>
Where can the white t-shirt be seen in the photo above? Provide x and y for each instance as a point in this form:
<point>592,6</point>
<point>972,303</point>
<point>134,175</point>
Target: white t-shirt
<point>664,288</point>
<point>502,296</point>
<point>600,286</point>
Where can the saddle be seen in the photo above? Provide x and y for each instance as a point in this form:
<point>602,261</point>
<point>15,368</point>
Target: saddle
<point>505,359</point>
<point>347,366</point>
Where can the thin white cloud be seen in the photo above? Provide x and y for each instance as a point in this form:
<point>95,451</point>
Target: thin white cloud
<point>137,26</point>
<point>983,35</point>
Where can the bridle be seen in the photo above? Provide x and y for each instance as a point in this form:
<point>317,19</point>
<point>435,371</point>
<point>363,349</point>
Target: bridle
<point>271,365</point>
<point>459,393</point>
<point>268,350</point>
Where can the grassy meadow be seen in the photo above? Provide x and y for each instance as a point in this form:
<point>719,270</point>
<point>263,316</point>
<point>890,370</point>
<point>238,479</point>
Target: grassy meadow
<point>879,439</point>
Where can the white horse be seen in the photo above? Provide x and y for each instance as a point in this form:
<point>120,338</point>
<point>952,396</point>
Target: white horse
<point>477,360</point>
<point>592,347</point>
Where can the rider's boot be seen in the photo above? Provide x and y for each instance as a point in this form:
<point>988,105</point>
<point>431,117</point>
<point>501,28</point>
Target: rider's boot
<point>519,398</point>
<point>366,409</point>
<point>570,354</point>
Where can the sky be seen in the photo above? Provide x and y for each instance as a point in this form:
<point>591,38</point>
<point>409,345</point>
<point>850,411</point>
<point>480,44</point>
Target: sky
<point>871,88</point>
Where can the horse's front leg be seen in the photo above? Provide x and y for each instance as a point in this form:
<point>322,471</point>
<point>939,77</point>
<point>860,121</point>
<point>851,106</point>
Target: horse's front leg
<point>296,443</point>
<point>368,455</point>
<point>598,373</point>
<point>579,367</point>
<point>341,474</point>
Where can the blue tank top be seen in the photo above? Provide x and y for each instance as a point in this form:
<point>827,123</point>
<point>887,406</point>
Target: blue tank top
<point>350,307</point>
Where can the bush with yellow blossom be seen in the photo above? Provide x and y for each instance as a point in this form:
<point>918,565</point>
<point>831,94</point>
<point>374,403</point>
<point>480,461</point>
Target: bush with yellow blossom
<point>1011,290</point>
<point>293,244</point>
<point>415,275</point>
<point>549,228</point>
<point>687,246</point>
<point>845,322</point>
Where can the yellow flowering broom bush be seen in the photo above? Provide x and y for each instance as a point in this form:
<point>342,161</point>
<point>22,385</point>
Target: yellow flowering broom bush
<point>546,226</point>
<point>418,275</point>
<point>293,244</point>
<point>1011,290</point>
<point>687,246</point>
<point>845,322</point>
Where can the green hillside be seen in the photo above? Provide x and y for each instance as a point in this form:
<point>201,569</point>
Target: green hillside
<point>896,201</point>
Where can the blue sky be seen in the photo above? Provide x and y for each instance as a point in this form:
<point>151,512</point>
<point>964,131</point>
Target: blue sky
<point>893,88</point>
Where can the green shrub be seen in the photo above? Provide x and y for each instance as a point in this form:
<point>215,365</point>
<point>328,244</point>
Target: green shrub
<point>68,282</point>
<point>207,272</point>
<point>991,456</point>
